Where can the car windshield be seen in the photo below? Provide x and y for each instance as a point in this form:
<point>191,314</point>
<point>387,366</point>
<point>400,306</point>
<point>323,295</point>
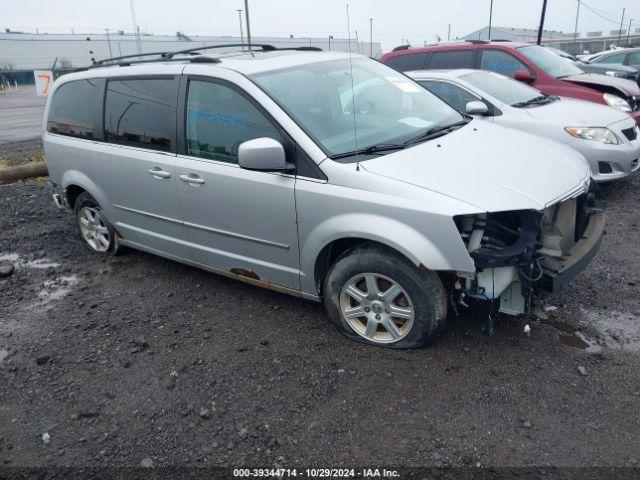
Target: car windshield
<point>378,104</point>
<point>551,63</point>
<point>502,88</point>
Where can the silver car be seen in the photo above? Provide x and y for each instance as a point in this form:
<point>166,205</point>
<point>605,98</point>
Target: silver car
<point>257,165</point>
<point>608,138</point>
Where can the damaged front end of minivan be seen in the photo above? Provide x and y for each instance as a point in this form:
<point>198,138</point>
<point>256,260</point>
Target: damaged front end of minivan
<point>519,254</point>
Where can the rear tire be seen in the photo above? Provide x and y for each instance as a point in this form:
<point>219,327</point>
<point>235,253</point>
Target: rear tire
<point>95,230</point>
<point>376,296</point>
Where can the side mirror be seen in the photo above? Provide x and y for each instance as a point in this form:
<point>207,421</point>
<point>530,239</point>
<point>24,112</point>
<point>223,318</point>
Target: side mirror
<point>263,154</point>
<point>524,76</point>
<point>476,107</point>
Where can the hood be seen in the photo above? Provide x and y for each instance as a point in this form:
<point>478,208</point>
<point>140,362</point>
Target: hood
<point>490,167</point>
<point>568,112</point>
<point>628,87</point>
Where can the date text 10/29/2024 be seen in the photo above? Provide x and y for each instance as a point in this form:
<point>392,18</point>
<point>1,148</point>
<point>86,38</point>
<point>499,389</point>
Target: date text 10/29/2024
<point>316,472</point>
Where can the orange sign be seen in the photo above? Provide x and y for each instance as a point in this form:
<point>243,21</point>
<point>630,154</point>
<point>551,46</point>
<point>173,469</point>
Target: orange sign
<point>44,79</point>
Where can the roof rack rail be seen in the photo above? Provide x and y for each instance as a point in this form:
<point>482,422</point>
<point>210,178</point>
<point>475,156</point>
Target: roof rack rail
<point>169,56</point>
<point>477,42</point>
<point>401,47</point>
<point>501,40</point>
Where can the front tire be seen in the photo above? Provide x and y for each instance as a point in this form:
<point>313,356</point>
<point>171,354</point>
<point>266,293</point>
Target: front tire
<point>95,230</point>
<point>376,296</point>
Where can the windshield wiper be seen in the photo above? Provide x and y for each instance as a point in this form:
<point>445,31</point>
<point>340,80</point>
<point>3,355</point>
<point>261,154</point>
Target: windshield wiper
<point>539,100</point>
<point>435,132</point>
<point>370,150</point>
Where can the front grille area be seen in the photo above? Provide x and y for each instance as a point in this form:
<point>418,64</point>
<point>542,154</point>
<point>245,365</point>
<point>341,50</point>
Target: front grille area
<point>630,133</point>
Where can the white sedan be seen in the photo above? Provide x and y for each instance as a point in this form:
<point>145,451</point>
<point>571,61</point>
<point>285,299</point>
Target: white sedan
<point>608,138</point>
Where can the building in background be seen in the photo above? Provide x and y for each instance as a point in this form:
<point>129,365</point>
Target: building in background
<point>513,34</point>
<point>596,42</point>
<point>24,52</point>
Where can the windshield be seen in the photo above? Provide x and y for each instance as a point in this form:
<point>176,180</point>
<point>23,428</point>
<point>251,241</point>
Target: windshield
<point>502,88</point>
<point>389,107</point>
<point>551,63</point>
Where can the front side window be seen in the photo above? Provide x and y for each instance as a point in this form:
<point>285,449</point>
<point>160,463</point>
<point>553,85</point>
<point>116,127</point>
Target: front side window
<point>506,90</point>
<point>615,59</point>
<point>454,95</point>
<point>219,119</point>
<point>549,62</point>
<point>634,59</point>
<point>501,62</point>
<point>73,109</point>
<point>389,107</point>
<point>452,59</point>
<point>140,113</point>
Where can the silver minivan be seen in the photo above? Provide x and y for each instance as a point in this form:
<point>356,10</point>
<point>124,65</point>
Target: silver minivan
<point>270,167</point>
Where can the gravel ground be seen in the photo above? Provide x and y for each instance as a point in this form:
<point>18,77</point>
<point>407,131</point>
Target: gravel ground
<point>137,360</point>
<point>17,153</point>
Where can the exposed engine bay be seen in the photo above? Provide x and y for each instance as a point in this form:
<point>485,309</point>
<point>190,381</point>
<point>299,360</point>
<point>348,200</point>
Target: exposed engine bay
<point>520,253</point>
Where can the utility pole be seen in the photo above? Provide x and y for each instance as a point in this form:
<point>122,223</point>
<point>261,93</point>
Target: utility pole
<point>620,31</point>
<point>240,22</point>
<point>449,34</point>
<point>541,28</point>
<point>575,31</point>
<point>108,42</point>
<point>246,13</point>
<point>490,18</point>
<point>371,37</point>
<point>629,31</point>
<point>136,29</point>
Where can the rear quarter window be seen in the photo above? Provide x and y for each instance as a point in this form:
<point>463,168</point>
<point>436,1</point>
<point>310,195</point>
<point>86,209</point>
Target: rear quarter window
<point>452,59</point>
<point>410,61</point>
<point>74,108</point>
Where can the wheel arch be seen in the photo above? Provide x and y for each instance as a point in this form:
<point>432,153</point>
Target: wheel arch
<point>75,182</point>
<point>330,239</point>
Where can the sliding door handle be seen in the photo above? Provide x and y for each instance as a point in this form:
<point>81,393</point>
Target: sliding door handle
<point>192,179</point>
<point>157,173</point>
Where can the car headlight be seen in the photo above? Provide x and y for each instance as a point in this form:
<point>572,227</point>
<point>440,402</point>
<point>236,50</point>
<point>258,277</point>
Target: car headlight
<point>614,73</point>
<point>616,102</point>
<point>599,134</point>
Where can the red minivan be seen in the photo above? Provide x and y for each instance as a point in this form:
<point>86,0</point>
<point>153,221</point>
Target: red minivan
<point>532,64</point>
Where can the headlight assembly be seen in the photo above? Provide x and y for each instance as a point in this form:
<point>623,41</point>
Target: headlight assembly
<point>599,134</point>
<point>616,102</point>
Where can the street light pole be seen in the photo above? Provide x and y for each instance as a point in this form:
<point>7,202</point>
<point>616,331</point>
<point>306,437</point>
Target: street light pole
<point>620,31</point>
<point>449,34</point>
<point>246,14</point>
<point>490,18</point>
<point>240,22</point>
<point>371,37</point>
<point>629,31</point>
<point>541,28</point>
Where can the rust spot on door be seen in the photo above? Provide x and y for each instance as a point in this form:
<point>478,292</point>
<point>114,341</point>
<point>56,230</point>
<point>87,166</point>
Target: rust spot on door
<point>243,272</point>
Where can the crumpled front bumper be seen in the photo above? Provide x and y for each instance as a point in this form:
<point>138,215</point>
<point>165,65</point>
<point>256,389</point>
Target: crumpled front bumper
<point>558,272</point>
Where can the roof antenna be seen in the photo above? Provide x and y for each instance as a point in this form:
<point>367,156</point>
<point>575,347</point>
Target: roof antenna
<point>353,95</point>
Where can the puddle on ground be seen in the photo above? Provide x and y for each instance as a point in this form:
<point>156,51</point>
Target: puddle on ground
<point>618,329</point>
<point>577,339</point>
<point>57,288</point>
<point>40,263</point>
<point>3,354</point>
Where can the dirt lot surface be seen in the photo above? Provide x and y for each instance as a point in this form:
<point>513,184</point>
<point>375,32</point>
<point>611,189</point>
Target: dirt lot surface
<point>137,360</point>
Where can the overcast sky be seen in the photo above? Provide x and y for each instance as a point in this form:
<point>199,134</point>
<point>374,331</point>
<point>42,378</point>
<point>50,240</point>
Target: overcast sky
<point>415,20</point>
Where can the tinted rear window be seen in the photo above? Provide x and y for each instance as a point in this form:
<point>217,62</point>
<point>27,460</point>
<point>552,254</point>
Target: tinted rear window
<point>412,61</point>
<point>452,59</point>
<point>73,109</point>
<point>140,113</point>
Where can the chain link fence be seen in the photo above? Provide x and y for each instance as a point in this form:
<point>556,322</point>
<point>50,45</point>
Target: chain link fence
<point>21,112</point>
